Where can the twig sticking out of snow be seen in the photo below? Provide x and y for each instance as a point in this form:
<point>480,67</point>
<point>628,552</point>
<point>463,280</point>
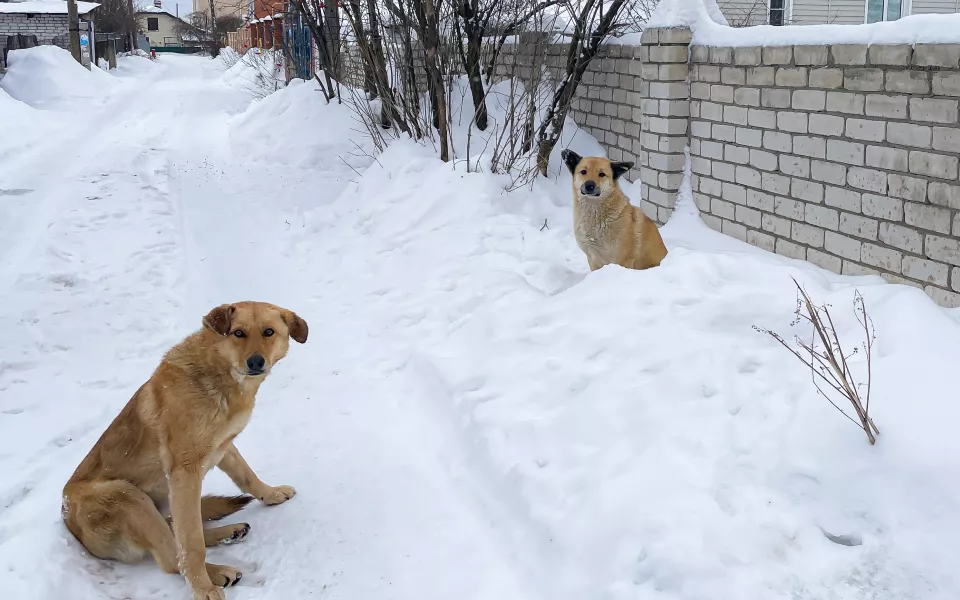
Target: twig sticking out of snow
<point>827,360</point>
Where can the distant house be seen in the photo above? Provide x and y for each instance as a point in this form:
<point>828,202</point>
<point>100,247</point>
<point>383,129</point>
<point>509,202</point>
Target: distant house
<point>841,12</point>
<point>43,22</point>
<point>162,28</point>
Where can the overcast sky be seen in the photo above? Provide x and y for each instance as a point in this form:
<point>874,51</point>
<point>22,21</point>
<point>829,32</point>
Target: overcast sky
<point>186,7</point>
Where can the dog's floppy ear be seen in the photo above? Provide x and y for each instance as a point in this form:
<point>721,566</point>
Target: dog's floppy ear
<point>297,326</point>
<point>619,168</point>
<point>571,159</point>
<point>220,318</point>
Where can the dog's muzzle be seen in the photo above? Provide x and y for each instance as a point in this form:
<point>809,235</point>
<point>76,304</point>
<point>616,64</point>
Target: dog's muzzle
<point>589,188</point>
<point>255,365</point>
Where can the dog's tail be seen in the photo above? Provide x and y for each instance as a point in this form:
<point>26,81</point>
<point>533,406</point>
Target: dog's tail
<point>214,508</point>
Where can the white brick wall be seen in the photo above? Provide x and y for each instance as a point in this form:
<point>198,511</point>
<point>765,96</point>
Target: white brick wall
<point>847,156</point>
<point>46,27</point>
<point>860,171</point>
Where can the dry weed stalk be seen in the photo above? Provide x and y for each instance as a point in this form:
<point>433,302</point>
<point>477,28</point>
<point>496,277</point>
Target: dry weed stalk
<point>827,360</point>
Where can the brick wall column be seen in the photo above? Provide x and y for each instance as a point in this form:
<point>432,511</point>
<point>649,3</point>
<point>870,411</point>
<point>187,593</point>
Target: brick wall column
<point>665,122</point>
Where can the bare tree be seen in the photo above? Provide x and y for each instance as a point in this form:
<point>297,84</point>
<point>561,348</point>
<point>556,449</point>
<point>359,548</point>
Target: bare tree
<point>429,28</point>
<point>420,16</point>
<point>199,25</point>
<point>376,81</point>
<point>403,49</point>
<point>116,16</point>
<point>316,16</point>
<point>592,23</point>
<point>477,19</point>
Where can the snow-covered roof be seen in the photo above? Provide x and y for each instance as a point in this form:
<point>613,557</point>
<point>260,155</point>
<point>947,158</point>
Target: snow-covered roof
<point>155,11</point>
<point>267,18</point>
<point>58,7</point>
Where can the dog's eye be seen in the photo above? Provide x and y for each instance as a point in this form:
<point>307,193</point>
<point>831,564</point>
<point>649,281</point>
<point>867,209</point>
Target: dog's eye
<point>239,333</point>
<point>267,332</point>
<point>603,174</point>
<point>583,172</point>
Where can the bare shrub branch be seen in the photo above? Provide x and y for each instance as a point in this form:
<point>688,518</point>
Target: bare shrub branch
<point>828,363</point>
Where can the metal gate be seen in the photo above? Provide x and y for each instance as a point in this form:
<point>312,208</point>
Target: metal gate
<point>299,44</point>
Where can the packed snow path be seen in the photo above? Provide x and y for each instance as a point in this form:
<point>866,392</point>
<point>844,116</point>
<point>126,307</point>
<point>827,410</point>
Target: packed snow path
<point>134,226</point>
<point>474,415</point>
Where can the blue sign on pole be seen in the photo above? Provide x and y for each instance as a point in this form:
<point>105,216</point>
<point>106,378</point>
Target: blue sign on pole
<point>84,39</point>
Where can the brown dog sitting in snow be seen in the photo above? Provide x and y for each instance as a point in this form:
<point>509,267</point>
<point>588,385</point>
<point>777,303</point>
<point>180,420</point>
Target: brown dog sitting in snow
<point>179,425</point>
<point>607,227</point>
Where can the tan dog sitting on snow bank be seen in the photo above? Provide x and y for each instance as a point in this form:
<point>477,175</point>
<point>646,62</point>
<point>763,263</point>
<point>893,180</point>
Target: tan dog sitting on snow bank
<point>608,228</point>
<point>179,425</point>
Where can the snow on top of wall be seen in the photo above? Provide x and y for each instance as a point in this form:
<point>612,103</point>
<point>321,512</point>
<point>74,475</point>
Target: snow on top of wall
<point>928,29</point>
<point>688,13</point>
<point>710,29</point>
<point>45,7</point>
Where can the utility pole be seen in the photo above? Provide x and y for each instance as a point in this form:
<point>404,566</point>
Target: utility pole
<point>213,29</point>
<point>132,35</point>
<point>73,20</point>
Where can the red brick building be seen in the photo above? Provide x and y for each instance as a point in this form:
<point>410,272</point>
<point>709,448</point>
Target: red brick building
<point>266,27</point>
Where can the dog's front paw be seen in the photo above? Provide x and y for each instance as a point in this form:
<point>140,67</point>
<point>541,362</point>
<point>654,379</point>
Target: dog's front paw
<point>208,593</point>
<point>223,576</point>
<point>278,495</point>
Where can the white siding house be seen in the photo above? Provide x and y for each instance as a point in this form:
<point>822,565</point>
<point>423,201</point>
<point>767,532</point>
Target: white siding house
<point>841,12</point>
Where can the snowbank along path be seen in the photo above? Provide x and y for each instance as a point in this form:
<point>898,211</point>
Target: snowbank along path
<point>475,416</point>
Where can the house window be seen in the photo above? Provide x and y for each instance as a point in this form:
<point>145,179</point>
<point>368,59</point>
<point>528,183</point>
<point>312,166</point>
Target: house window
<point>884,10</point>
<point>778,12</point>
<point>153,24</point>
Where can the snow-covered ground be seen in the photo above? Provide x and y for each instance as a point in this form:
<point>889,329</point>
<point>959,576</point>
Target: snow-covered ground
<point>475,416</point>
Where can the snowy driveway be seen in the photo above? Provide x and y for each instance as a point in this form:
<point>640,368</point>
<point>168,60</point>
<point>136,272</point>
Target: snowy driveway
<point>474,416</point>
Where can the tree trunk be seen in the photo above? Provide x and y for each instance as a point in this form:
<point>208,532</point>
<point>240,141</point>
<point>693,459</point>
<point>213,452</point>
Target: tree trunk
<point>584,47</point>
<point>552,126</point>
<point>214,42</point>
<point>317,32</point>
<point>331,17</point>
<point>379,68</point>
<point>431,43</point>
<point>368,85</point>
<point>475,78</point>
<point>73,20</point>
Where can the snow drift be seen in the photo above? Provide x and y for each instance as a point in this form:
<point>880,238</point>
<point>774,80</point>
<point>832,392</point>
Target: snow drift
<point>634,430</point>
<point>298,120</point>
<point>48,76</point>
<point>258,72</point>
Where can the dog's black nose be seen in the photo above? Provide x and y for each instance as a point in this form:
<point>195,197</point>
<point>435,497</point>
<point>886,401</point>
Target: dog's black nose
<point>589,187</point>
<point>255,363</point>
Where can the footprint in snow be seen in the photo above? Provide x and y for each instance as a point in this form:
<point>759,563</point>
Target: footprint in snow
<point>849,540</point>
<point>687,302</point>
